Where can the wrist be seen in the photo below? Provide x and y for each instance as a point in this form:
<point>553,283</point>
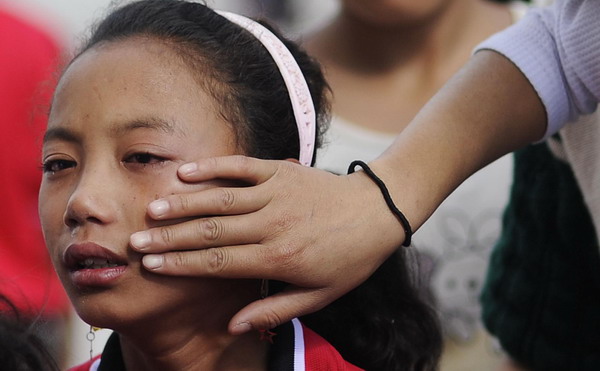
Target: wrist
<point>373,211</point>
<point>387,198</point>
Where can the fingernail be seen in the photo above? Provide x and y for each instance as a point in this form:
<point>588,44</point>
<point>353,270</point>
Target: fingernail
<point>140,240</point>
<point>153,261</point>
<point>188,169</point>
<point>242,327</point>
<point>159,207</point>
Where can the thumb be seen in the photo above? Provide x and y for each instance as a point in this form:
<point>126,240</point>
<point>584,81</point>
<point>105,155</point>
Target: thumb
<point>282,307</point>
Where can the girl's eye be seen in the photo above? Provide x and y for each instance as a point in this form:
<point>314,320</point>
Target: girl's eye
<point>54,166</point>
<point>144,159</point>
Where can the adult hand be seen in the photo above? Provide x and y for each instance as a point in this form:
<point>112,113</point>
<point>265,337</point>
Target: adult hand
<point>324,234</point>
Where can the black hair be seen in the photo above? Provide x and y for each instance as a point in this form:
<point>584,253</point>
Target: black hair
<point>20,348</point>
<point>381,325</point>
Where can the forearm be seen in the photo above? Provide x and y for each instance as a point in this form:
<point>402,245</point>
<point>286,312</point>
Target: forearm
<point>558,49</point>
<point>487,110</point>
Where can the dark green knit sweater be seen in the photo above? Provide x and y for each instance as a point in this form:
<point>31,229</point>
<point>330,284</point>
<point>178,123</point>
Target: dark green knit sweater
<point>542,295</point>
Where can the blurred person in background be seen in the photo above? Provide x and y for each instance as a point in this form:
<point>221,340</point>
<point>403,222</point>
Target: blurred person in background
<point>28,60</point>
<point>382,69</point>
<point>384,60</point>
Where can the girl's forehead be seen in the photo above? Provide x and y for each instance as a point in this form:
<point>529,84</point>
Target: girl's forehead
<point>131,80</point>
<point>144,59</point>
<point>137,71</point>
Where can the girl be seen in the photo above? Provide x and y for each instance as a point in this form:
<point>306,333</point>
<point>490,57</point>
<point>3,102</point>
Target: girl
<point>160,83</point>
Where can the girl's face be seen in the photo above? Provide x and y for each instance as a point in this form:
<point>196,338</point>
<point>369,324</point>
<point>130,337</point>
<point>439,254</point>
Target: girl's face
<point>125,116</point>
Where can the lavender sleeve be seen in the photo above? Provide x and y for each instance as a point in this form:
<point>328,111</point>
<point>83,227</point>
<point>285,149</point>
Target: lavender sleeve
<point>558,49</point>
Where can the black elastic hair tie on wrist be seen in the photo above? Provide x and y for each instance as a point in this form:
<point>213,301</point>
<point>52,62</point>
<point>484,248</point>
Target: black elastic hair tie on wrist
<point>386,196</point>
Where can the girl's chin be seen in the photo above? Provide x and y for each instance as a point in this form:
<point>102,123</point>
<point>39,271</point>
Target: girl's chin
<point>134,303</point>
<point>99,311</point>
<point>97,316</point>
<point>123,309</point>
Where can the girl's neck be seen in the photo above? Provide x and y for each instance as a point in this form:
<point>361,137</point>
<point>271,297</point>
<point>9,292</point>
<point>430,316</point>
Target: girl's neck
<point>196,352</point>
<point>193,339</point>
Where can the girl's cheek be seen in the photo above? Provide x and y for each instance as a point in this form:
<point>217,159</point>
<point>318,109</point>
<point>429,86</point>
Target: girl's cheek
<point>171,184</point>
<point>52,207</point>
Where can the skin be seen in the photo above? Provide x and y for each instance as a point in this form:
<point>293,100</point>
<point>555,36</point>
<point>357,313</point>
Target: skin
<point>131,112</point>
<point>391,13</point>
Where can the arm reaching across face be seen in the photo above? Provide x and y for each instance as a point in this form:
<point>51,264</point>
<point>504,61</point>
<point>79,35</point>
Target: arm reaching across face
<point>325,234</point>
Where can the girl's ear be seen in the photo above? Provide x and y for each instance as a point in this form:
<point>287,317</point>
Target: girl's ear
<point>294,160</point>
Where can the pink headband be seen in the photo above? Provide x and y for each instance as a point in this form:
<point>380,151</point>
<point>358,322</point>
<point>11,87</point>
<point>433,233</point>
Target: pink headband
<point>302,103</point>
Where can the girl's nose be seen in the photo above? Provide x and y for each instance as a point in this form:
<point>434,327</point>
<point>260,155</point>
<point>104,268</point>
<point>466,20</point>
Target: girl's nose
<point>92,202</point>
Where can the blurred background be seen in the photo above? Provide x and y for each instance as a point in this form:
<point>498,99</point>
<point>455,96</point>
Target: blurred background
<point>68,20</point>
<point>454,249</point>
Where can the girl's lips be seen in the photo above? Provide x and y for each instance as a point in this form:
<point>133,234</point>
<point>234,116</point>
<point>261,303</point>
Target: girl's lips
<point>91,265</point>
<point>99,277</point>
<point>88,254</point>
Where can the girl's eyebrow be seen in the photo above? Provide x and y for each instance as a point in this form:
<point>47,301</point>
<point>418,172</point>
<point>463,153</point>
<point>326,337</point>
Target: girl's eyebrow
<point>61,134</point>
<point>147,123</point>
<point>117,130</point>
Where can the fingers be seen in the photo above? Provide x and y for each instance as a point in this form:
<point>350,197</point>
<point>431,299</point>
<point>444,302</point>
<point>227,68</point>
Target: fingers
<point>214,201</point>
<point>198,233</point>
<point>243,168</point>
<point>282,307</point>
<point>242,261</point>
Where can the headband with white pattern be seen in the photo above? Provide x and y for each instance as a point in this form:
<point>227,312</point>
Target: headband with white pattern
<point>302,103</point>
